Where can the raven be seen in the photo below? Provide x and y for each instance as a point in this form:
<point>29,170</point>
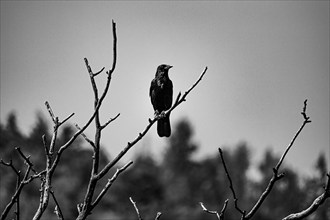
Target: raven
<point>161,94</point>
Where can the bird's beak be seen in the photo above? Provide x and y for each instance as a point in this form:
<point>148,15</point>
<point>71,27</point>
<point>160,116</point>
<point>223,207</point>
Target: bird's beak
<point>169,67</point>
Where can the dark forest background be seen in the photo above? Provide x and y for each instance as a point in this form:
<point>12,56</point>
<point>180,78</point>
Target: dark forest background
<point>174,185</point>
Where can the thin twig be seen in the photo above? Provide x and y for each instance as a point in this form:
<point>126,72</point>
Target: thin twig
<point>136,208</point>
<point>315,205</point>
<point>109,121</point>
<point>158,215</point>
<point>26,158</point>
<point>114,35</point>
<point>222,212</point>
<point>230,183</point>
<point>306,120</point>
<point>57,210</point>
<point>97,73</point>
<point>208,211</point>
<point>10,164</point>
<point>220,216</point>
<point>93,83</point>
<point>73,138</point>
<point>85,137</point>
<point>180,99</point>
<point>110,182</point>
<point>67,118</point>
<point>35,176</point>
<point>50,111</point>
<point>54,118</point>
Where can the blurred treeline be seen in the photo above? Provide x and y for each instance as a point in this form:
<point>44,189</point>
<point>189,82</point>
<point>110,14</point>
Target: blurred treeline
<point>174,185</point>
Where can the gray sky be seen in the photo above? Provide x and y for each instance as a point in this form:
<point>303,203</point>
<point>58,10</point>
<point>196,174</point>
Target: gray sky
<point>264,59</point>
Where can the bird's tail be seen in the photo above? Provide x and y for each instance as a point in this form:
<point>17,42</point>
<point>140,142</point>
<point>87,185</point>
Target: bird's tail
<point>164,127</point>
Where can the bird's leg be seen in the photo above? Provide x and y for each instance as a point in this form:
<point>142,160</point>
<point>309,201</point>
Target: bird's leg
<point>156,113</point>
<point>162,114</point>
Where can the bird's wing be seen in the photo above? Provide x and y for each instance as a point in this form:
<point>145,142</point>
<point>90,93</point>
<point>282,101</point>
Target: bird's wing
<point>169,94</point>
<point>152,91</point>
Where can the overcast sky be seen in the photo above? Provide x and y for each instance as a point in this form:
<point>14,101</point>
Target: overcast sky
<point>264,60</point>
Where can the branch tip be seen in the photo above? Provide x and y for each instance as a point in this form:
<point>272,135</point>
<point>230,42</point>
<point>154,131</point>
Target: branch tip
<point>230,183</point>
<point>158,215</point>
<point>136,208</point>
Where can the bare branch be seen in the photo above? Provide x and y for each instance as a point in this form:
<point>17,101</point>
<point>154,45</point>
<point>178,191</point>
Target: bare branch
<point>136,208</point>
<point>26,159</point>
<point>35,176</point>
<point>314,206</point>
<point>114,61</point>
<point>222,213</point>
<point>277,176</point>
<point>18,181</point>
<point>220,216</point>
<point>57,210</point>
<point>46,181</point>
<point>97,105</point>
<point>42,192</point>
<point>15,196</point>
<point>138,212</point>
<point>180,99</point>
<point>110,120</point>
<point>44,142</point>
<point>306,120</point>
<point>230,183</point>
<point>91,76</point>
<point>50,111</point>
<point>208,211</point>
<point>54,118</point>
<point>67,118</point>
<point>87,205</point>
<point>158,215</point>
<point>85,137</point>
<point>52,142</point>
<point>110,182</point>
<point>10,164</point>
<point>304,112</point>
<point>89,69</point>
<point>17,212</point>
<point>95,74</point>
<point>74,137</point>
<point>19,187</point>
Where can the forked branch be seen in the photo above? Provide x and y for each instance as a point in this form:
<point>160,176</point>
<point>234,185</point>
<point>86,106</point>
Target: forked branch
<point>19,183</point>
<point>276,176</point>
<point>230,183</point>
<point>110,182</point>
<point>222,212</point>
<point>138,212</point>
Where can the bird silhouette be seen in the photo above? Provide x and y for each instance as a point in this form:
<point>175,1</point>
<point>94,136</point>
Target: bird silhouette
<point>161,95</point>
